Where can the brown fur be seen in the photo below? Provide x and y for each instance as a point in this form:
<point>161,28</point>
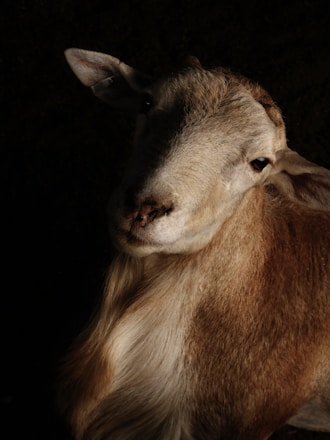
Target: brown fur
<point>215,319</point>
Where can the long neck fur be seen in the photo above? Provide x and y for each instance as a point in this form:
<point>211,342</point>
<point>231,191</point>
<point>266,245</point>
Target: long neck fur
<point>173,343</point>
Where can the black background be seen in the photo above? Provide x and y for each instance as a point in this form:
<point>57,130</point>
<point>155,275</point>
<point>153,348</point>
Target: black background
<point>62,152</point>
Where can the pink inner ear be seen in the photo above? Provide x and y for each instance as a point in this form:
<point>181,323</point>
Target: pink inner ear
<point>89,67</point>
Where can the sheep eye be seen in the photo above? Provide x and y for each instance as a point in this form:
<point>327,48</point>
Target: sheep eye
<point>145,103</point>
<point>259,164</point>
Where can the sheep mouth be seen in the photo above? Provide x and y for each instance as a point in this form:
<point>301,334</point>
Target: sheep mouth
<point>124,238</point>
<point>133,239</point>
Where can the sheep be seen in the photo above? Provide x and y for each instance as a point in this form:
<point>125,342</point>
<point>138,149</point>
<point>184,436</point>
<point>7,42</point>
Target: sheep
<point>215,319</point>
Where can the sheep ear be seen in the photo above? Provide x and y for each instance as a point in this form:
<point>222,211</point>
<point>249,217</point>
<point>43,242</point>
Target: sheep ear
<point>272,110</point>
<point>301,181</point>
<point>109,78</point>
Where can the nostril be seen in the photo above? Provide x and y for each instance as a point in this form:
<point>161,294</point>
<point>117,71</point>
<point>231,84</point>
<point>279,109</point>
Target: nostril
<point>139,218</point>
<point>153,214</point>
<point>168,210</point>
<point>148,211</point>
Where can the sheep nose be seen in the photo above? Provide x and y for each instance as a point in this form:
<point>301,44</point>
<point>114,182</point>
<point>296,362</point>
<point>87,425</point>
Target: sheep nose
<point>146,211</point>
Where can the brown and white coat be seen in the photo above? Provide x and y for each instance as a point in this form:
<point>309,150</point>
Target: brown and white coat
<point>215,320</point>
